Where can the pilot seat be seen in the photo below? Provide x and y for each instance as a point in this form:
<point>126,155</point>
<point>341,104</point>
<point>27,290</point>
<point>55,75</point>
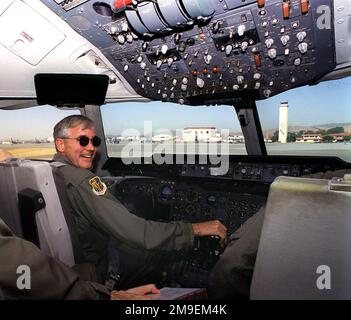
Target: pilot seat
<point>304,250</point>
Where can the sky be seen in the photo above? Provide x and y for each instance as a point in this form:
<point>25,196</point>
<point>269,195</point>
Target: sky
<point>327,102</point>
<point>311,105</point>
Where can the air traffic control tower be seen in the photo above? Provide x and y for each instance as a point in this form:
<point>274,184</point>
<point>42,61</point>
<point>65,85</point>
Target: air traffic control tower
<point>283,122</point>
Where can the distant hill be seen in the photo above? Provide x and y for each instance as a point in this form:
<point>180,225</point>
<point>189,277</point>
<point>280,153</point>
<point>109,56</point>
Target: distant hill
<point>333,125</point>
<point>346,125</point>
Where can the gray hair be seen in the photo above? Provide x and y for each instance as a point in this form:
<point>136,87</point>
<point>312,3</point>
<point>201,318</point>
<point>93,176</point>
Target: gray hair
<point>60,129</point>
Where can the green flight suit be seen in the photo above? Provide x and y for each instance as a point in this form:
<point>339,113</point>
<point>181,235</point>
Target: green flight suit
<point>231,276</point>
<point>49,278</point>
<point>101,219</point>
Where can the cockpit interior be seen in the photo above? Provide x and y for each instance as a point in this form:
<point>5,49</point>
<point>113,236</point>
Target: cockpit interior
<point>82,54</point>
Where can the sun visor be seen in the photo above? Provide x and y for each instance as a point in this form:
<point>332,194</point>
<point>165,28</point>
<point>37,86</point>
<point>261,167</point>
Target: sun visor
<point>71,89</point>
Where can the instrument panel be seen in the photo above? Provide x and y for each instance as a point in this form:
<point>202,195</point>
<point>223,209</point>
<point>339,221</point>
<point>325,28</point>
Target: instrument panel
<point>247,171</point>
<point>253,169</point>
<point>193,193</point>
<point>168,200</point>
<point>209,51</point>
<point>173,200</point>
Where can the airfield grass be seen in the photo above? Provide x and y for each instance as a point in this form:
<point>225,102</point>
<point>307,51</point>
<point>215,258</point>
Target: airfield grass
<point>45,153</point>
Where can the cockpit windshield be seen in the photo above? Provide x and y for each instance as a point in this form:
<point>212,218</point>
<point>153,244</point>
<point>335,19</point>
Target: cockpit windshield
<point>134,129</point>
<point>311,120</point>
<point>306,121</point>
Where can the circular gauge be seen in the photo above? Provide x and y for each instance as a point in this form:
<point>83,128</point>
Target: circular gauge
<point>166,192</point>
<point>211,200</point>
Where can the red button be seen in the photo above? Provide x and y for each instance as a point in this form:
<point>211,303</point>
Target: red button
<point>286,10</point>
<point>261,3</point>
<point>121,4</point>
<point>257,60</point>
<point>304,6</point>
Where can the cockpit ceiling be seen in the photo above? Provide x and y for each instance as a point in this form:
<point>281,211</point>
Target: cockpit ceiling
<point>183,51</point>
<point>209,51</point>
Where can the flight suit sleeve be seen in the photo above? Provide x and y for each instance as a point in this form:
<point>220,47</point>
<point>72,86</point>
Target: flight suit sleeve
<point>106,212</point>
<point>45,277</point>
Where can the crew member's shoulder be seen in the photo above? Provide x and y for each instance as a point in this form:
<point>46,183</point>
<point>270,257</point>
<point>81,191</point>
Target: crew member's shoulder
<point>4,229</point>
<point>76,176</point>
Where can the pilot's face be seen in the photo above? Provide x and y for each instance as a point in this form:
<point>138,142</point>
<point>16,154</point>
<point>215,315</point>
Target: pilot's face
<point>80,156</point>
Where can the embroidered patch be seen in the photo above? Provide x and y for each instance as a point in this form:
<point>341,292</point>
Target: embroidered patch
<point>98,187</point>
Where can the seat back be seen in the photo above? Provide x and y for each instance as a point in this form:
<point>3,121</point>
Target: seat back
<point>304,250</point>
<point>19,179</point>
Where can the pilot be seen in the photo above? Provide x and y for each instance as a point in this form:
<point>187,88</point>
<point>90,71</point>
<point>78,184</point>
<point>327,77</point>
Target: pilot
<point>231,276</point>
<point>49,278</point>
<point>136,247</point>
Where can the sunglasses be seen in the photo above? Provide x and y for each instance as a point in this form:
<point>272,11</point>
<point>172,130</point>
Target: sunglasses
<point>84,140</point>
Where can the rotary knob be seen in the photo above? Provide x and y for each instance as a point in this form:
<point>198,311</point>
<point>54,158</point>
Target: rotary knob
<point>121,39</point>
<point>284,40</point>
<point>200,82</point>
<point>303,46</point>
<point>113,30</point>
<point>240,79</point>
<point>241,30</point>
<point>267,93</point>
<point>301,36</point>
<point>269,42</point>
<point>244,45</point>
<point>297,62</point>
<point>272,53</point>
<point>129,38</point>
<point>164,49</point>
<point>228,49</point>
<point>208,58</point>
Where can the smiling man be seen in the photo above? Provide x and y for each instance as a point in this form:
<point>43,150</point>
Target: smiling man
<point>105,227</point>
<point>72,140</point>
